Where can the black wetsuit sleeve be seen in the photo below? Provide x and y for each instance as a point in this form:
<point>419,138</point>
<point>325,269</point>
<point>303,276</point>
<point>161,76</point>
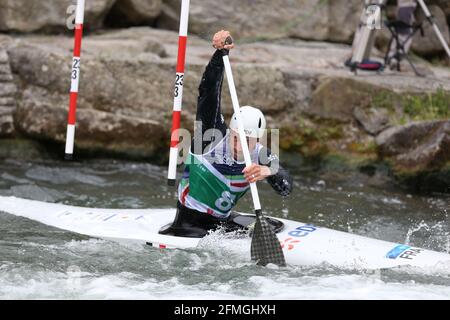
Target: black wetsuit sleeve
<point>280,180</point>
<point>209,113</point>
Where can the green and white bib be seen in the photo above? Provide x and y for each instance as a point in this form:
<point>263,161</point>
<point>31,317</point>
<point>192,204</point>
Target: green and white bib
<point>213,182</point>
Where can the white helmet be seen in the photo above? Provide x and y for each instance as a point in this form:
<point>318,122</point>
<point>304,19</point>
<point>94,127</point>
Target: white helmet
<point>253,121</point>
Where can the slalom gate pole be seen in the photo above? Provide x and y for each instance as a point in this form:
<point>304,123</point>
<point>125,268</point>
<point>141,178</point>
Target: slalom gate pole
<point>75,80</point>
<point>178,94</point>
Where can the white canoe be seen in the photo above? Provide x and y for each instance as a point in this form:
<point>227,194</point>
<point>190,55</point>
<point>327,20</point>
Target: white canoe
<point>303,244</point>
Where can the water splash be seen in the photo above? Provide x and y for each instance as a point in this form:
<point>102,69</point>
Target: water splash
<point>437,235</point>
<point>42,263</point>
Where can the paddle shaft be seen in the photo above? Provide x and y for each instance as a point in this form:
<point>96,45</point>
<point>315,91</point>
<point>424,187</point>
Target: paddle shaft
<point>265,246</point>
<point>243,139</point>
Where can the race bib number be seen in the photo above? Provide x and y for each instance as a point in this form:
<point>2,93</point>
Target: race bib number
<point>226,201</point>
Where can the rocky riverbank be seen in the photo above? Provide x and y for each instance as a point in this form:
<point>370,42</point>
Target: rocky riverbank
<point>127,75</point>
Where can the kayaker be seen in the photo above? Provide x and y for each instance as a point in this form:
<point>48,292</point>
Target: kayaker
<point>215,176</point>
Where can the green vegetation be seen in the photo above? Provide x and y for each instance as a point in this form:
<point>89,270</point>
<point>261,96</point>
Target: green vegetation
<point>345,143</point>
<point>384,99</point>
<point>310,139</point>
<point>414,106</point>
<point>25,149</point>
<point>363,148</point>
<point>429,106</point>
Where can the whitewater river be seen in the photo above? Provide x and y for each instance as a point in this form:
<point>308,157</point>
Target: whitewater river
<point>41,262</point>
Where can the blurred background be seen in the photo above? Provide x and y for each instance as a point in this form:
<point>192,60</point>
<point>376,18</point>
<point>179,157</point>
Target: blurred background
<point>369,151</point>
<point>289,60</point>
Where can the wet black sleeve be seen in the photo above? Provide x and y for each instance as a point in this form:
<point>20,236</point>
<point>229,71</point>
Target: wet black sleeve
<point>280,180</point>
<point>209,113</point>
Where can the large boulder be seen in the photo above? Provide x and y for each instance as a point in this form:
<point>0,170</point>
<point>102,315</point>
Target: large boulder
<point>134,12</point>
<point>169,18</point>
<point>126,92</point>
<point>377,102</point>
<point>419,154</point>
<point>334,21</point>
<point>416,147</point>
<point>126,85</point>
<point>430,45</point>
<point>444,5</point>
<point>250,20</point>
<point>96,130</point>
<point>336,98</point>
<point>373,120</point>
<point>120,96</point>
<point>49,15</point>
<point>346,15</point>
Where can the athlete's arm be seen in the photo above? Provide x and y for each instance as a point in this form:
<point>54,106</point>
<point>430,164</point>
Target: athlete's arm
<point>281,182</point>
<point>269,168</point>
<point>209,101</point>
<point>209,113</point>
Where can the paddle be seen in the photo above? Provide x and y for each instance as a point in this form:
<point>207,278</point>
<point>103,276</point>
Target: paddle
<point>265,247</point>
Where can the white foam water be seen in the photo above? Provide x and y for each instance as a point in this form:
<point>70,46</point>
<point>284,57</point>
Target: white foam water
<point>39,262</point>
<point>97,269</point>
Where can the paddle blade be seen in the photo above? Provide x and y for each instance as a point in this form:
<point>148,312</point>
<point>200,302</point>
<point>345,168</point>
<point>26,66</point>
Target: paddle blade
<point>266,247</point>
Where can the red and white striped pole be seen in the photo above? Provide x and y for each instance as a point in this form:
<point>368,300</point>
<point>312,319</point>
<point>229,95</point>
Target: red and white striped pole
<point>178,99</point>
<point>75,76</point>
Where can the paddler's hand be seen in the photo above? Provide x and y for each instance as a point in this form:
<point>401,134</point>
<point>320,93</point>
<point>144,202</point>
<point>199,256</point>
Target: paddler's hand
<point>256,172</point>
<point>219,40</point>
